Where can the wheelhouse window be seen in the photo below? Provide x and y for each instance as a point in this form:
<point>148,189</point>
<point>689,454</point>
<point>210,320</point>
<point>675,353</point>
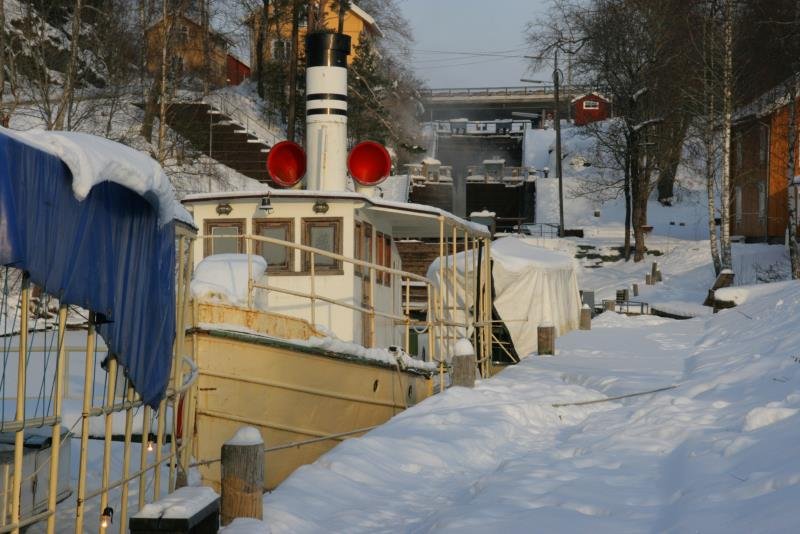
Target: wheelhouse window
<point>226,236</point>
<point>324,234</point>
<point>387,259</point>
<point>362,246</point>
<point>280,259</point>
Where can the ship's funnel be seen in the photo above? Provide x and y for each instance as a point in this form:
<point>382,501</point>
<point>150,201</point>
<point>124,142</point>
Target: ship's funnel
<point>369,164</point>
<point>286,163</point>
<point>326,110</point>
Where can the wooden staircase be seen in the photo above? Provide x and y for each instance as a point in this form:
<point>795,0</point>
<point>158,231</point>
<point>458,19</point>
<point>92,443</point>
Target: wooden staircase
<point>224,134</point>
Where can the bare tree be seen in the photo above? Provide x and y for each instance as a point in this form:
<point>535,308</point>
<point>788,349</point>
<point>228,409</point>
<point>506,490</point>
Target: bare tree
<point>727,112</point>
<point>3,61</point>
<point>69,85</point>
<point>293,66</point>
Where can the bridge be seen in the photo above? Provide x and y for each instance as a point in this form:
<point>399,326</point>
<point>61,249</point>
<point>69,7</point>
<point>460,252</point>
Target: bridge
<point>489,103</point>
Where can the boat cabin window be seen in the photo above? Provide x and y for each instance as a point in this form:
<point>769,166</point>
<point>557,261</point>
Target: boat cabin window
<point>362,239</point>
<point>227,236</point>
<point>383,252</point>
<point>324,234</point>
<point>280,259</point>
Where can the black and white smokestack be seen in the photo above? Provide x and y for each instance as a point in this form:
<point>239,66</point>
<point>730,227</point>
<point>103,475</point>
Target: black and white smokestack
<point>326,110</point>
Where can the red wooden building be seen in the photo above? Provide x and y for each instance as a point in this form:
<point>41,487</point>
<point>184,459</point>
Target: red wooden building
<point>237,70</point>
<point>591,107</point>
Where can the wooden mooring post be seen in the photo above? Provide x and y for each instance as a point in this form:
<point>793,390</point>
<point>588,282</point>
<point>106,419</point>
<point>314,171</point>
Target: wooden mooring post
<point>586,318</point>
<point>242,476</point>
<point>648,279</point>
<point>546,341</point>
<point>609,305</point>
<point>465,364</point>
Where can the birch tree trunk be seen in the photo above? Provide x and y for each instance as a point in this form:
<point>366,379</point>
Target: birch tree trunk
<point>791,158</point>
<point>709,137</point>
<point>627,245</point>
<point>727,105</point>
<point>66,95</point>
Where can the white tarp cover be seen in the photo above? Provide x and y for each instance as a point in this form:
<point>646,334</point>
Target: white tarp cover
<point>533,286</point>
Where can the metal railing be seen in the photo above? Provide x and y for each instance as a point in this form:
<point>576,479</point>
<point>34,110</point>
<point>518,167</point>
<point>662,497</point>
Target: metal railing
<point>51,363</point>
<point>442,302</point>
<point>627,307</point>
<point>254,126</point>
<point>502,91</point>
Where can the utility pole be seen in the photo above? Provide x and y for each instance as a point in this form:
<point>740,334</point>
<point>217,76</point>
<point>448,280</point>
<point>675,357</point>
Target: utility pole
<point>556,118</point>
<point>556,86</point>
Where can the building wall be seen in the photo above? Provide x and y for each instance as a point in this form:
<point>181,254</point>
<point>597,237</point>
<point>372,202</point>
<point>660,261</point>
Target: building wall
<point>778,183</point>
<point>189,50</point>
<point>751,205</point>
<point>354,26</point>
<point>586,116</point>
<point>346,324</point>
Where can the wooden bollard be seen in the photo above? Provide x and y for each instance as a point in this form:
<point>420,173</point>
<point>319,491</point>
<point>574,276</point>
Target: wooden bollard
<point>242,476</point>
<point>546,342</point>
<point>586,318</point>
<point>654,272</point>
<point>464,364</point>
<point>609,305</point>
<point>659,278</point>
<point>635,290</point>
<point>648,279</point>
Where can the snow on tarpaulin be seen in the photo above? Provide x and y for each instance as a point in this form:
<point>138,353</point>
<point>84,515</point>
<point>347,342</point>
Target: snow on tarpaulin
<point>533,286</point>
<point>109,252</point>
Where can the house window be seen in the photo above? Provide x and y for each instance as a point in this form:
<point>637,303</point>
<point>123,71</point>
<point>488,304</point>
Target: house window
<point>591,104</point>
<point>227,236</point>
<point>281,49</point>
<point>280,259</point>
<point>738,205</point>
<point>324,234</point>
<point>182,35</point>
<point>762,200</point>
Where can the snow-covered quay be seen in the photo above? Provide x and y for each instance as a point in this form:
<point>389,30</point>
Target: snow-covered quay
<point>715,454</point>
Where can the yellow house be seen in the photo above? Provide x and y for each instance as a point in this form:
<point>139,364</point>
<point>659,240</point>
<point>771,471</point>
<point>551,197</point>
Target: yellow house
<point>357,23</point>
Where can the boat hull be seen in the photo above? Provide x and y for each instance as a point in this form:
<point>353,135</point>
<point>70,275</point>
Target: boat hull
<point>291,393</point>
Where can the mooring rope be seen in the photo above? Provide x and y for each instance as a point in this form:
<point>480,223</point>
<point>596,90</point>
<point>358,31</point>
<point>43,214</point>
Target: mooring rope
<point>609,399</point>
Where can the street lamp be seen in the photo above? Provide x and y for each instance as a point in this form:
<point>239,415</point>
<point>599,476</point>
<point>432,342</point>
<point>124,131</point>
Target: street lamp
<point>557,75</point>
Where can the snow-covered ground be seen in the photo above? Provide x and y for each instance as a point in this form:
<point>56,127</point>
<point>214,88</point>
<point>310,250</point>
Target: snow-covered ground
<point>715,454</point>
<point>695,428</point>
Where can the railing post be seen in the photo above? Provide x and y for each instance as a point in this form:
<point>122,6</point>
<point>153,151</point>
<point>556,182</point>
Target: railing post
<point>313,290</point>
<point>408,314</point>
<point>55,439</point>
<point>242,476</point>
<point>126,458</point>
<point>111,391</point>
<point>19,436</point>
<point>372,335</point>
<point>143,454</point>
<point>88,390</point>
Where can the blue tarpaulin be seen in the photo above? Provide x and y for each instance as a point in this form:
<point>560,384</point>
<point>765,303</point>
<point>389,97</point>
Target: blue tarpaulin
<point>107,254</point>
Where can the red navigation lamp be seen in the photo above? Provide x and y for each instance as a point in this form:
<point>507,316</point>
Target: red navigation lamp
<point>369,163</point>
<point>286,163</point>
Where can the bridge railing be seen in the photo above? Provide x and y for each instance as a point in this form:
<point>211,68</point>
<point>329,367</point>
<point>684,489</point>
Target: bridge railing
<point>503,91</point>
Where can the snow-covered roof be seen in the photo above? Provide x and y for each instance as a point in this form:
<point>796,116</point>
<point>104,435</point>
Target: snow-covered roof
<point>769,101</point>
<point>592,93</point>
<point>366,17</point>
<point>93,160</point>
